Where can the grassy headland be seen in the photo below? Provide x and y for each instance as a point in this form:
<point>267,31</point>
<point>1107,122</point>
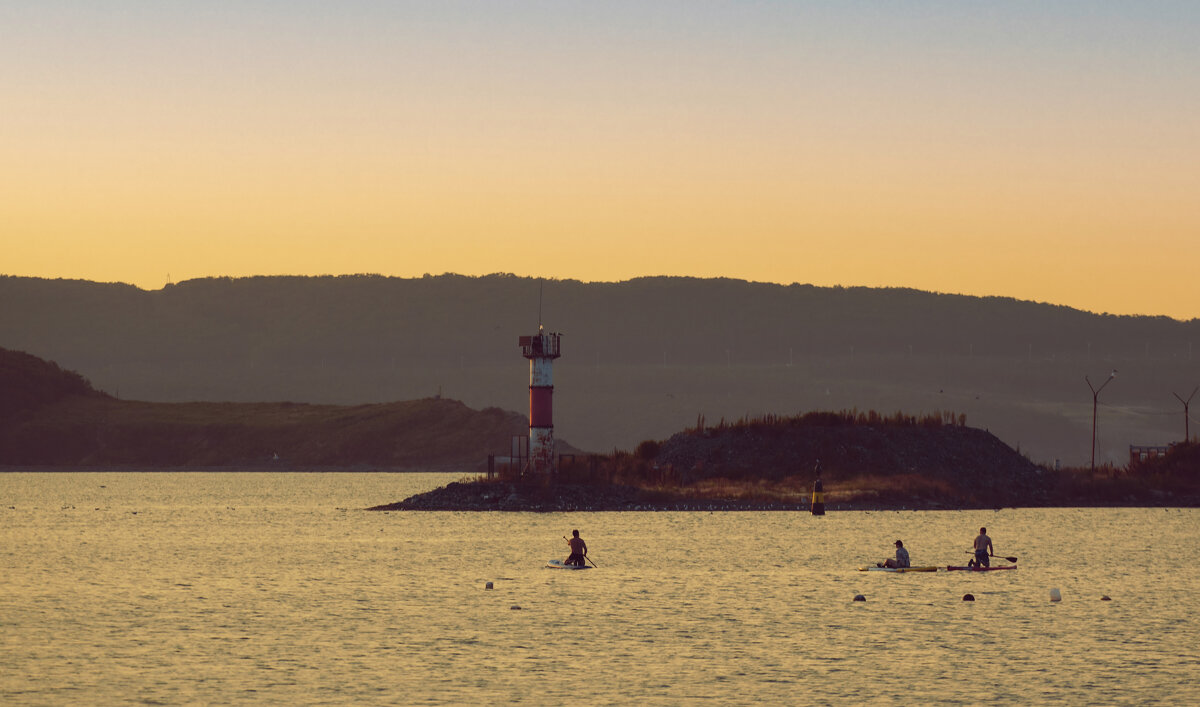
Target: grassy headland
<point>868,461</point>
<point>50,417</point>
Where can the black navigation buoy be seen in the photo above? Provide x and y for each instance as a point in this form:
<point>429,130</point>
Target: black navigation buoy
<point>968,597</point>
<point>859,597</point>
<point>818,497</point>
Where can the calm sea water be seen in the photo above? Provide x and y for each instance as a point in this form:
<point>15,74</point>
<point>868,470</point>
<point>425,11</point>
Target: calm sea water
<point>169,588</point>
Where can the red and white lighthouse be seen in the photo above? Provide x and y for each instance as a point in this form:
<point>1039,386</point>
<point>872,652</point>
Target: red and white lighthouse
<point>541,350</point>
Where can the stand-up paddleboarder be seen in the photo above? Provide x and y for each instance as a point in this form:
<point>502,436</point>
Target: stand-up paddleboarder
<point>578,550</point>
<point>983,549</point>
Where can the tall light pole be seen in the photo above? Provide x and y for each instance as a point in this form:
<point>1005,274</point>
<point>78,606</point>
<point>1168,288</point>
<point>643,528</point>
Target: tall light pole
<point>1095,399</point>
<point>1186,432</point>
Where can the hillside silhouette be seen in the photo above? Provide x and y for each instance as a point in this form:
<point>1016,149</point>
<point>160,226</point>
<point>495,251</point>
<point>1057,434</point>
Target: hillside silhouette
<point>29,383</point>
<point>641,359</point>
<point>58,419</point>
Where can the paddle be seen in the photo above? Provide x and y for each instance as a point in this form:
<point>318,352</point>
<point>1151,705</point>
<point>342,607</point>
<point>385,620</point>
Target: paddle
<point>1010,559</point>
<point>588,558</point>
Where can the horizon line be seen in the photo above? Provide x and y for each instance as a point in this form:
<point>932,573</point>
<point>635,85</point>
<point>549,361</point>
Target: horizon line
<point>172,283</point>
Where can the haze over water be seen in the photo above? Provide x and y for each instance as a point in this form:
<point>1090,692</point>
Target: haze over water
<point>175,588</point>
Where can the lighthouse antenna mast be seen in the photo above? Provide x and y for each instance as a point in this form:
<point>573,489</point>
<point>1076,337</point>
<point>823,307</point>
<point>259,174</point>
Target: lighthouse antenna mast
<point>541,286</point>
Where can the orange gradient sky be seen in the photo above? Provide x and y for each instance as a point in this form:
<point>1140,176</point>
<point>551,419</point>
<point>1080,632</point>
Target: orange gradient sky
<point>1044,151</point>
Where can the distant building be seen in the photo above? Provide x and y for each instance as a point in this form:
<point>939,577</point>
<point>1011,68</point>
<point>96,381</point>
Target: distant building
<point>1142,452</point>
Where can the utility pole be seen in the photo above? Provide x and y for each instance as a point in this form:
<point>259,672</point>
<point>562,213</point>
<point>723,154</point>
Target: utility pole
<point>1186,432</point>
<point>1095,398</point>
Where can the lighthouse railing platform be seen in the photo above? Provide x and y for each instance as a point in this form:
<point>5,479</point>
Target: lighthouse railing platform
<point>541,346</point>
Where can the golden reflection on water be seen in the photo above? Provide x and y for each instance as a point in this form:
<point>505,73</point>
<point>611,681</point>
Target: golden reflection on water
<point>226,587</point>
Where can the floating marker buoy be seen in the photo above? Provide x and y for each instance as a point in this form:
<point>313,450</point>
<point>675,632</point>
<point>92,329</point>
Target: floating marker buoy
<point>1055,595</point>
<point>817,507</point>
<point>859,597</point>
<point>1106,598</point>
<point>488,585</point>
<point>514,607</point>
<point>968,597</point>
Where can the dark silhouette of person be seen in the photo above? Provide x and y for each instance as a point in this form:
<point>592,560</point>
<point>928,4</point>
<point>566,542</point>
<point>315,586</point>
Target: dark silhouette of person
<point>578,550</point>
<point>983,549</point>
<point>901,557</point>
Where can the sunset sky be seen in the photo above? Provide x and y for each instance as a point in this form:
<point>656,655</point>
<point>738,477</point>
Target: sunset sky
<point>1039,150</point>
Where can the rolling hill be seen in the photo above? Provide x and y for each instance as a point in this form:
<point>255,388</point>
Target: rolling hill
<point>53,417</point>
<point>642,359</point>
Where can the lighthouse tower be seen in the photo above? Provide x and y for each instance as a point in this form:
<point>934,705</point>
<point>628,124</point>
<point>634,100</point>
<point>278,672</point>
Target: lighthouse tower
<point>541,350</point>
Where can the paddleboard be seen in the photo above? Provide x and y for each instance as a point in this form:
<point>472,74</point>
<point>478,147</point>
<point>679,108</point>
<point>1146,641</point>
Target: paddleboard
<point>953,568</point>
<point>558,565</point>
<point>897,569</point>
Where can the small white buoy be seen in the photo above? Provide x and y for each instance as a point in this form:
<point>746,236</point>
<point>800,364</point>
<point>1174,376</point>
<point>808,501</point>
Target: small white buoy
<point>488,585</point>
<point>1055,595</point>
<point>859,597</point>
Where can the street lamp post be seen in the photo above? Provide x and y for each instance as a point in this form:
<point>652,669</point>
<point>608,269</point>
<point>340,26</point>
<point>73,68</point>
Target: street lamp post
<point>1186,432</point>
<point>1095,399</point>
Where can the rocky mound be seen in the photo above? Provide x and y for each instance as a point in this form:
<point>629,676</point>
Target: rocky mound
<point>972,464</point>
<point>867,462</point>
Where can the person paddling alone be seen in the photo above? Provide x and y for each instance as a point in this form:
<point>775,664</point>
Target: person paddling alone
<point>901,557</point>
<point>983,549</point>
<point>578,550</point>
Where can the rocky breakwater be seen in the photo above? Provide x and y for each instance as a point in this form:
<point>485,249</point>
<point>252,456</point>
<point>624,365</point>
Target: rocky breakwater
<point>504,496</point>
